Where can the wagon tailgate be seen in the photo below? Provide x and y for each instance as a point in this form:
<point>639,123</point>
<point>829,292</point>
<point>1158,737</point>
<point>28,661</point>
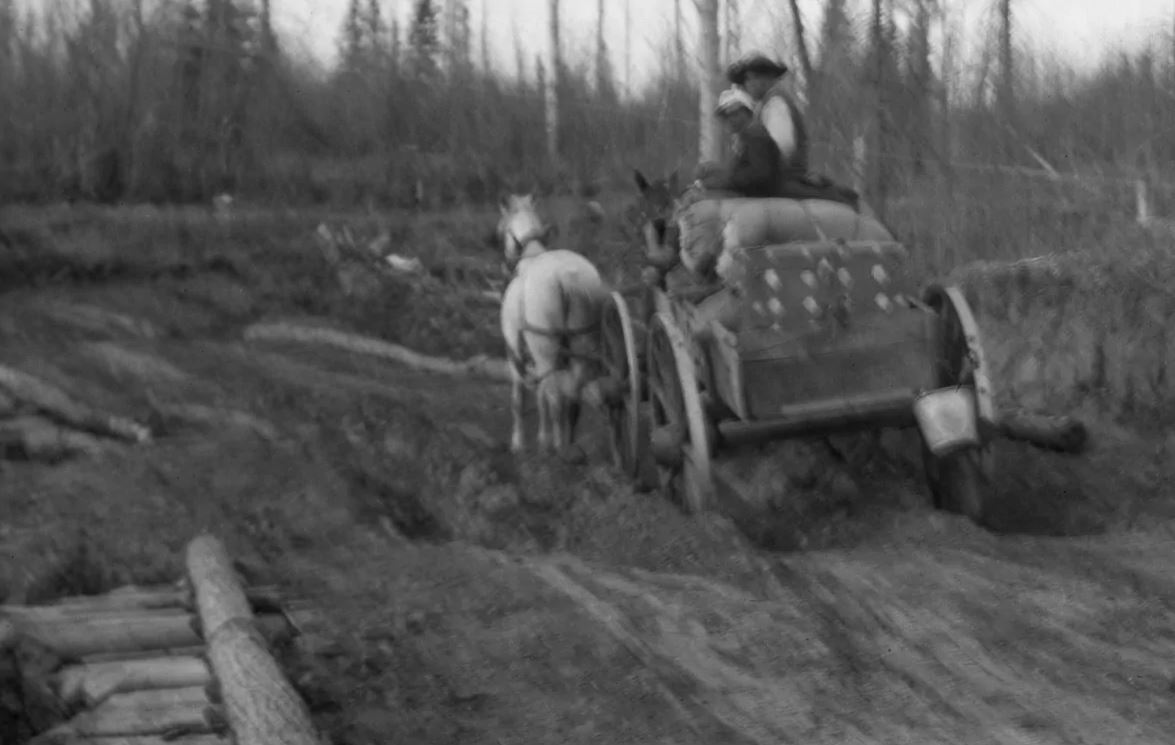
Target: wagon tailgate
<point>794,347</point>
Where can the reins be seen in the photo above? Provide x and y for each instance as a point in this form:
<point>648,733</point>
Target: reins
<point>564,335</point>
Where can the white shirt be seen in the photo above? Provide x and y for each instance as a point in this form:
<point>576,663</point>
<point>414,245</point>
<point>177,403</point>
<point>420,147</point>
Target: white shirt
<point>776,118</point>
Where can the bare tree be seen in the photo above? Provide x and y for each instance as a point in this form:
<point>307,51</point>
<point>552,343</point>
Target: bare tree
<point>732,29</point>
<point>801,44</point>
<point>709,80</point>
<point>552,85</point>
<point>628,47</point>
<point>601,50</point>
<point>1006,97</point>
<point>678,40</point>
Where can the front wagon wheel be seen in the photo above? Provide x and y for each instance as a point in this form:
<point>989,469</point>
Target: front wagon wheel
<point>680,442</point>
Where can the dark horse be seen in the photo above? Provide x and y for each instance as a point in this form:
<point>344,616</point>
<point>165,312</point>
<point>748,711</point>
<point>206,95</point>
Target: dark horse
<point>651,215</point>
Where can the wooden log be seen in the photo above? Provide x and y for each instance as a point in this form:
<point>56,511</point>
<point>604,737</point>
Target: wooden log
<point>260,704</point>
<point>37,614</point>
<point>482,366</point>
<point>37,438</point>
<point>140,654</point>
<point>143,713</point>
<point>1060,433</point>
<point>59,406</point>
<point>71,739</point>
<point>220,598</point>
<point>82,637</point>
<point>94,683</point>
<point>263,598</point>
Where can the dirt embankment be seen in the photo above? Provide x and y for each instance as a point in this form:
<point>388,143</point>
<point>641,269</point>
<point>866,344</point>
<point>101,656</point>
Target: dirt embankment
<point>1071,333</point>
<point>468,596</point>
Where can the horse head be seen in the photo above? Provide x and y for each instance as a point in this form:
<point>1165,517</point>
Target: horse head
<point>520,229</point>
<point>652,215</point>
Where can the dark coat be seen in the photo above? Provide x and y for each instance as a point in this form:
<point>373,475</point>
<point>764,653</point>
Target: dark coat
<point>756,168</point>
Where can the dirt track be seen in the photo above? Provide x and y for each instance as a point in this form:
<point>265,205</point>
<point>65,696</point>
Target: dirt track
<point>468,598</point>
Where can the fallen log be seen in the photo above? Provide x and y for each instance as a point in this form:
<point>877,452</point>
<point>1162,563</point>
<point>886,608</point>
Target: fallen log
<point>94,318</point>
<point>279,331</point>
<point>140,654</point>
<point>1059,433</point>
<point>37,438</point>
<point>199,415</point>
<point>139,714</point>
<point>263,598</point>
<point>36,615</point>
<point>94,683</point>
<point>71,739</point>
<point>59,406</point>
<point>217,589</point>
<point>259,703</point>
<point>77,638</point>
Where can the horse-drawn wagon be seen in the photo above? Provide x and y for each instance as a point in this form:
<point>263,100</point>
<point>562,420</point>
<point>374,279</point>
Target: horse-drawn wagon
<point>824,330</point>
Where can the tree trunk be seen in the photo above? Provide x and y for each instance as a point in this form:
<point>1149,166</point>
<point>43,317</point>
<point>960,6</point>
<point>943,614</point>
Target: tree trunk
<point>877,85</point>
<point>552,86</point>
<point>628,47</point>
<point>1006,98</point>
<point>732,30</point>
<point>709,81</point>
<point>486,65</point>
<point>802,47</point>
<point>678,41</point>
<point>601,51</point>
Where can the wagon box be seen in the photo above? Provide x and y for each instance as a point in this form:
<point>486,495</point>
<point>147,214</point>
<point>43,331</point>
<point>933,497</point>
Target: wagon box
<point>819,327</point>
<point>826,321</point>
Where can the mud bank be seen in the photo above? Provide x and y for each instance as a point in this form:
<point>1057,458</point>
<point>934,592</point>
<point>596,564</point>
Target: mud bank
<point>1072,333</point>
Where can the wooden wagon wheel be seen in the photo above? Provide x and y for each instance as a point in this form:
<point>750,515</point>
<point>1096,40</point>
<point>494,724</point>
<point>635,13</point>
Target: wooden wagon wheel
<point>960,481</point>
<point>622,370</point>
<point>679,438</point>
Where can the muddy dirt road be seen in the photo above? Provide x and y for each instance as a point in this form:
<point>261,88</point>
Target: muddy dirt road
<point>462,596</point>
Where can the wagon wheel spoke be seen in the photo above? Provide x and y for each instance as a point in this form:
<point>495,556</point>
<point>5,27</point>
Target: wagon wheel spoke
<point>667,403</point>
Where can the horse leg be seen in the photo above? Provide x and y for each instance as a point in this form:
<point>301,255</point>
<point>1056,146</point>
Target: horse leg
<point>517,440</point>
<point>574,408</point>
<point>559,420</point>
<point>543,400</point>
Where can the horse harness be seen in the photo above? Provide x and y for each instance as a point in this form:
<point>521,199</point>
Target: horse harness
<point>522,362</point>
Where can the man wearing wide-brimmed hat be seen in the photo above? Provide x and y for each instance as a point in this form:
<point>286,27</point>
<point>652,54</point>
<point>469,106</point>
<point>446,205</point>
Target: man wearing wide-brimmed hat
<point>763,78</point>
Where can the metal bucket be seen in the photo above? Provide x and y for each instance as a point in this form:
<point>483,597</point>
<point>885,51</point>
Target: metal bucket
<point>947,419</point>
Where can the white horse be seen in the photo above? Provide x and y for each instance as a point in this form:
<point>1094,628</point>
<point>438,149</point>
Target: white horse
<point>550,314</point>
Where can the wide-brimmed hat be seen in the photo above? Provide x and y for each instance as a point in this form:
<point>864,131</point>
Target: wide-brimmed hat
<point>754,62</point>
<point>732,99</point>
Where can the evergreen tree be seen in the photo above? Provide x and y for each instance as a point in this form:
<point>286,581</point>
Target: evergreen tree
<point>424,40</point>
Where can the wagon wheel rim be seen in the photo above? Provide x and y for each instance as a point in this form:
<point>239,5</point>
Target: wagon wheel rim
<point>959,480</point>
<point>675,401</point>
<point>618,351</point>
<point>954,364</point>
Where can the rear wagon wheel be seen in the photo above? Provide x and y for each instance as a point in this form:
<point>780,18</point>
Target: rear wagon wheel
<point>960,481</point>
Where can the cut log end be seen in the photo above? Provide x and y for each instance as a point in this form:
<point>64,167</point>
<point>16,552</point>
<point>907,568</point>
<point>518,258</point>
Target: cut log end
<point>1059,433</point>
